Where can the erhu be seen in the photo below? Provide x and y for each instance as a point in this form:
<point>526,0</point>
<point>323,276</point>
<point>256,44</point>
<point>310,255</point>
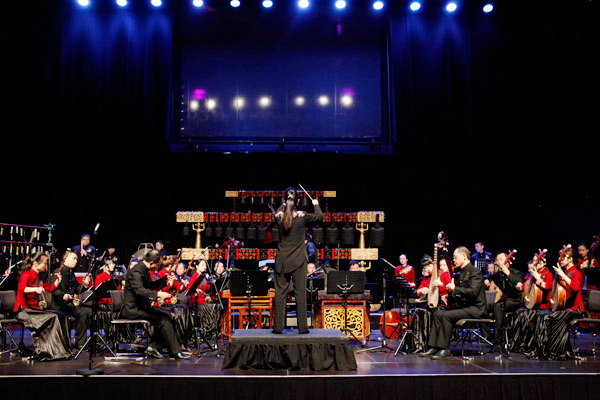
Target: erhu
<point>77,297</point>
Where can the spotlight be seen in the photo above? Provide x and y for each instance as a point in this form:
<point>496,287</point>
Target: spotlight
<point>238,103</point>
<point>156,3</point>
<point>122,3</point>
<point>340,4</point>
<point>303,3</point>
<point>323,100</point>
<point>346,100</point>
<point>198,3</point>
<point>264,101</point>
<point>451,7</point>
<point>377,5</point>
<point>415,6</point>
<point>267,4</point>
<point>83,3</point>
<point>235,3</point>
<point>299,101</point>
<point>488,8</point>
<point>194,105</point>
<point>210,104</point>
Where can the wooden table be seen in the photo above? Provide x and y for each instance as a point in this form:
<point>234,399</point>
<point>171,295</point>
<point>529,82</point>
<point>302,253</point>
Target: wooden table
<point>240,304</point>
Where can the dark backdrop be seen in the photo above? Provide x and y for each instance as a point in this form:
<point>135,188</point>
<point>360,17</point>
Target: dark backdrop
<point>494,124</point>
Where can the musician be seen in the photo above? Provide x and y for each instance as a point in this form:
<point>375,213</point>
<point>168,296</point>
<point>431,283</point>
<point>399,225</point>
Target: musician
<point>202,290</point>
<point>543,279</point>
<point>444,279</point>
<point>509,280</point>
<point>85,252</point>
<point>584,263</point>
<point>50,336</point>
<point>573,278</point>
<point>291,261</point>
<point>109,256</point>
<point>353,265</point>
<point>105,275</point>
<point>232,242</point>
<point>469,293</point>
<point>481,258</point>
<point>311,251</point>
<point>405,270</point>
<point>160,247</point>
<point>139,295</point>
<point>68,290</point>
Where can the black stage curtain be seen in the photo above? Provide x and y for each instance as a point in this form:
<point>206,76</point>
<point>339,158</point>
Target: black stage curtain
<point>492,118</point>
<point>464,387</point>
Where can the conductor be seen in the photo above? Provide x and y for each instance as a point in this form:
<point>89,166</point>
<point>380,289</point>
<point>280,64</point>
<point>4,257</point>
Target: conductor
<point>290,264</point>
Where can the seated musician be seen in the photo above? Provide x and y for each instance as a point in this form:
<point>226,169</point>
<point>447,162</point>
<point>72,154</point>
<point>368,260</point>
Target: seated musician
<point>543,279</point>
<point>405,270</point>
<point>140,294</point>
<point>573,278</point>
<point>443,280</point>
<point>469,293</point>
<point>105,275</point>
<point>587,261</point>
<point>50,337</point>
<point>509,281</point>
<point>353,266</point>
<point>232,242</point>
<point>68,290</point>
<point>203,288</point>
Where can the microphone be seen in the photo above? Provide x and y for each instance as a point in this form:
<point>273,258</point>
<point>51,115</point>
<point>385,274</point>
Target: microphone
<point>96,228</point>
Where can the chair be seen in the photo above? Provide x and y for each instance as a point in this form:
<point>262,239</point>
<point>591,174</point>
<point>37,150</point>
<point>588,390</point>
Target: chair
<point>470,327</point>
<point>592,306</point>
<point>117,297</point>
<point>7,303</point>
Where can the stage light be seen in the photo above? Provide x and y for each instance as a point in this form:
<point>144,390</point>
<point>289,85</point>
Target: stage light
<point>451,7</point>
<point>415,6</point>
<point>340,4</point>
<point>299,101</point>
<point>488,8</point>
<point>210,104</point>
<point>83,3</point>
<point>156,3</point>
<point>346,100</point>
<point>267,4</point>
<point>303,3</point>
<point>264,101</point>
<point>122,3</point>
<point>198,3</point>
<point>238,103</point>
<point>323,100</point>
<point>235,3</point>
<point>194,105</point>
<point>377,5</point>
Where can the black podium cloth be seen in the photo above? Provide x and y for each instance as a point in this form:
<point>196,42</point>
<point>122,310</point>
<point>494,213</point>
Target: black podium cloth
<point>320,350</point>
<point>544,335</point>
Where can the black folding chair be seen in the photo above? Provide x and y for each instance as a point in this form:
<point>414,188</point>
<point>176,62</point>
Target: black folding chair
<point>7,322</point>
<point>117,323</point>
<point>593,305</point>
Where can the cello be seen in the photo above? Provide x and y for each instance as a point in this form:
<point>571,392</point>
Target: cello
<point>533,294</point>
<point>433,296</point>
<point>559,286</point>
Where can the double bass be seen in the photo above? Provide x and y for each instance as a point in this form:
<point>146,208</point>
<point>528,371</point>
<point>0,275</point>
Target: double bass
<point>493,287</point>
<point>532,293</point>
<point>433,296</point>
<point>559,286</point>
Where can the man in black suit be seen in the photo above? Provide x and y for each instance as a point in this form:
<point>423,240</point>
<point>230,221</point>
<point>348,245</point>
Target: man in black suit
<point>468,293</point>
<point>292,258</point>
<point>85,252</point>
<point>140,294</point>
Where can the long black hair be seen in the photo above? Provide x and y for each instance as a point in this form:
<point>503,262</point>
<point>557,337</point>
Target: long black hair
<point>30,259</point>
<point>291,197</point>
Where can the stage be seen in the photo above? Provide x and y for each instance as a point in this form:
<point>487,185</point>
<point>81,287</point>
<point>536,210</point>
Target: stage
<point>378,375</point>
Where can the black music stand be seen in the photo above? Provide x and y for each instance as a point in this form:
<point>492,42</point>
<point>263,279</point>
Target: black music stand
<point>405,291</point>
<point>313,285</point>
<point>249,283</point>
<point>346,283</point>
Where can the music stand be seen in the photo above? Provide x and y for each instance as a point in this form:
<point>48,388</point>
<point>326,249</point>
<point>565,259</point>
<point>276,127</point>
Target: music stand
<point>249,283</point>
<point>405,291</point>
<point>313,285</point>
<point>346,283</point>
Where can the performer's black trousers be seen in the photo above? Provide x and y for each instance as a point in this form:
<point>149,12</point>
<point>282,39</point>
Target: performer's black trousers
<point>500,315</point>
<point>81,314</point>
<point>283,286</point>
<point>164,333</point>
<point>443,322</point>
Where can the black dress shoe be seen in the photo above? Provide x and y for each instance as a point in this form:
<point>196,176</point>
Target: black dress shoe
<point>304,332</point>
<point>180,356</point>
<point>275,331</point>
<point>445,353</point>
<point>428,353</point>
<point>152,352</point>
